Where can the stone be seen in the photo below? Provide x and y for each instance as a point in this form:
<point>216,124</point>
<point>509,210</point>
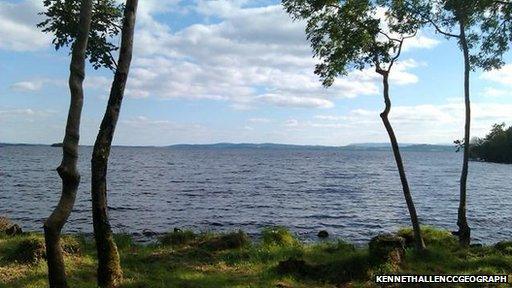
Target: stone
<point>148,233</point>
<point>322,234</point>
<point>13,230</point>
<point>283,285</point>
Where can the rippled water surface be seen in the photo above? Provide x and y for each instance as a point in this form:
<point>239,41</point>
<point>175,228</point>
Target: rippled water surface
<point>352,194</point>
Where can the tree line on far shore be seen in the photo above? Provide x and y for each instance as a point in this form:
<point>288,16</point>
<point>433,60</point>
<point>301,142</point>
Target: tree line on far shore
<point>494,147</point>
<point>345,36</point>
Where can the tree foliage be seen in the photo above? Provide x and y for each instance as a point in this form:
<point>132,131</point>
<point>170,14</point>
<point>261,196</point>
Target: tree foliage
<point>62,18</point>
<point>487,25</point>
<point>495,146</point>
<point>350,35</point>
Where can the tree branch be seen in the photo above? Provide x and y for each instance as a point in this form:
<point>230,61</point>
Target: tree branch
<point>438,29</point>
<point>397,54</point>
<point>112,59</point>
<point>389,38</point>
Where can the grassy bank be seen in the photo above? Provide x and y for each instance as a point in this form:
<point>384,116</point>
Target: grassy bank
<point>185,259</point>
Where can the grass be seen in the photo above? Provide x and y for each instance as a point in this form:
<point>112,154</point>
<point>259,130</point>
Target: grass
<point>278,259</point>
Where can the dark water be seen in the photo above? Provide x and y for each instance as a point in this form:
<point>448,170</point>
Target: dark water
<point>353,195</point>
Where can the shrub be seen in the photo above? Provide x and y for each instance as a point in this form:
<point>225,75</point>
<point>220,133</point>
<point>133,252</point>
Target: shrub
<point>339,246</point>
<point>234,240</point>
<point>504,247</point>
<point>178,238</point>
<point>5,223</point>
<point>387,248</point>
<point>123,241</point>
<point>27,251</point>
<point>278,236</point>
<point>430,235</point>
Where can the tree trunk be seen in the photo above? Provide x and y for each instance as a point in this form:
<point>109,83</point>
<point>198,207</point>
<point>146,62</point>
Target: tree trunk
<point>67,169</point>
<point>464,230</point>
<point>418,240</point>
<point>109,267</point>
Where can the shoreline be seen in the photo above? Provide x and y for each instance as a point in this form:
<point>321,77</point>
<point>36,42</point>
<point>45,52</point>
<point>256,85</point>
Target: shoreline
<point>182,258</point>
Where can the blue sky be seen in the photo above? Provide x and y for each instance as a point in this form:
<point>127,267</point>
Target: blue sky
<point>237,71</point>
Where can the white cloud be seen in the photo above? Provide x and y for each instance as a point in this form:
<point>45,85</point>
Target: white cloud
<point>35,84</point>
<point>420,41</point>
<point>491,92</point>
<point>294,101</point>
<point>224,8</point>
<point>330,117</point>
<point>249,56</point>
<point>97,83</point>
<point>259,120</point>
<point>26,86</point>
<point>144,130</point>
<point>24,114</point>
<point>502,76</point>
<point>419,123</point>
<point>18,31</point>
<point>291,123</point>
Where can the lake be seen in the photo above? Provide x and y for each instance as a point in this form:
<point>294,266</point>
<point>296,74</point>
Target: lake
<point>352,194</point>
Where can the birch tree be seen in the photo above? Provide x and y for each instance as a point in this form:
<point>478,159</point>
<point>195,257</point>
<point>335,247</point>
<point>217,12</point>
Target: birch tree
<point>483,31</point>
<point>348,35</point>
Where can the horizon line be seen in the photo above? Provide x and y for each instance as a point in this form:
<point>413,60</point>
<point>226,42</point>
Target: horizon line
<point>232,143</point>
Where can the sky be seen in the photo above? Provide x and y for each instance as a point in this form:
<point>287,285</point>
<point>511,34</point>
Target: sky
<point>238,71</point>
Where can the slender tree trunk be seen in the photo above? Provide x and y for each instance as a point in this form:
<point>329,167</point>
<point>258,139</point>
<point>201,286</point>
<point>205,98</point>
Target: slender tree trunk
<point>418,240</point>
<point>464,230</point>
<point>109,267</point>
<point>67,169</point>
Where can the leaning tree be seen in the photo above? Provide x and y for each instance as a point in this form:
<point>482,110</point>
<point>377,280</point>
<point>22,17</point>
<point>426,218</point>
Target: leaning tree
<point>109,267</point>
<point>349,35</point>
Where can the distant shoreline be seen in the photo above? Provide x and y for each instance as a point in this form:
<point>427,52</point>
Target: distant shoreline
<point>350,147</point>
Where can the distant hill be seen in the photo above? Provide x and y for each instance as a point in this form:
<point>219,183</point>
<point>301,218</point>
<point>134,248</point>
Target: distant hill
<point>403,147</point>
<point>351,147</point>
<point>21,144</point>
<point>249,146</point>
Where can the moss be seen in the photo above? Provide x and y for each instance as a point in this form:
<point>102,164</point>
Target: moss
<point>235,240</point>
<point>30,251</point>
<point>387,250</point>
<point>504,247</point>
<point>431,236</point>
<point>5,223</point>
<point>71,244</point>
<point>178,238</point>
<point>278,236</point>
